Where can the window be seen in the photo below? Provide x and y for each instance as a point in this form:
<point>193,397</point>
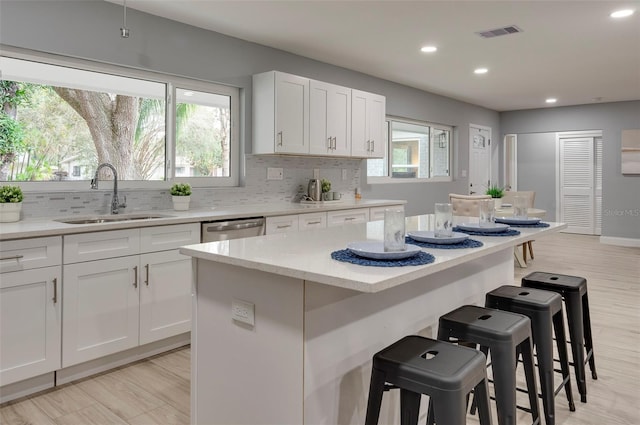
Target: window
<point>61,119</point>
<point>415,150</point>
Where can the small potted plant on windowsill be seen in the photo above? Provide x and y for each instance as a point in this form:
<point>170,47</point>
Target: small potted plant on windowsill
<point>10,203</point>
<point>496,192</point>
<point>181,196</point>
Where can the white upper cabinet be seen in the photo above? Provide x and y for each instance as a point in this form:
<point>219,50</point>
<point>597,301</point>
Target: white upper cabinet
<point>280,113</point>
<point>296,115</point>
<point>367,124</point>
<point>329,119</point>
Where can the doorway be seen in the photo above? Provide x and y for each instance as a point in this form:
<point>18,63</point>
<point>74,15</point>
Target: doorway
<point>479,159</point>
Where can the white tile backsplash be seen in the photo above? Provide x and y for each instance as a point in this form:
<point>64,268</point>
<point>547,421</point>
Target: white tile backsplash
<point>256,190</point>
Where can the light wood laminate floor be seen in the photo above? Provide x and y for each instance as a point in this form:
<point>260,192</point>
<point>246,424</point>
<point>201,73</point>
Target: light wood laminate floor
<point>156,390</point>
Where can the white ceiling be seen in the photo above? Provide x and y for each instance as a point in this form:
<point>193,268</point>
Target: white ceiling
<point>571,50</point>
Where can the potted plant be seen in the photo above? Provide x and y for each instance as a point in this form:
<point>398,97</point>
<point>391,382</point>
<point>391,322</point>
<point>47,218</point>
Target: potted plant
<point>496,192</point>
<point>181,195</point>
<point>326,189</point>
<point>10,203</point>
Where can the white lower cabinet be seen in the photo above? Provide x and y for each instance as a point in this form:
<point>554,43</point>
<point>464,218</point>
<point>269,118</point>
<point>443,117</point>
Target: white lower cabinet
<point>377,213</point>
<point>100,308</point>
<point>282,224</point>
<point>312,221</point>
<point>338,218</point>
<point>119,303</point>
<point>165,295</point>
<point>30,323</point>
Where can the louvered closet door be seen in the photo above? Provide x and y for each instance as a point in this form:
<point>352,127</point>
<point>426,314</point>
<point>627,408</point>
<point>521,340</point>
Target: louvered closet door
<point>577,177</point>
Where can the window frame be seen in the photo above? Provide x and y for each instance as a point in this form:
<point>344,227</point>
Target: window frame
<point>171,82</point>
<point>396,180</point>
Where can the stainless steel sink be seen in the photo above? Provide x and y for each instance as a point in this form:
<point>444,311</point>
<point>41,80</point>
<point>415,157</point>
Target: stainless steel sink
<point>109,218</point>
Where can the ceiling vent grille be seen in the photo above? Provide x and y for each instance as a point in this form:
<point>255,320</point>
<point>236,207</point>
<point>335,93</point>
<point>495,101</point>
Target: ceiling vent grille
<point>511,29</point>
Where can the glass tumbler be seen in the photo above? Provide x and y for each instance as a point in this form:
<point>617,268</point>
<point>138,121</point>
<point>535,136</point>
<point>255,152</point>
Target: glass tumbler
<point>486,213</point>
<point>444,221</point>
<point>394,230</point>
<point>520,207</point>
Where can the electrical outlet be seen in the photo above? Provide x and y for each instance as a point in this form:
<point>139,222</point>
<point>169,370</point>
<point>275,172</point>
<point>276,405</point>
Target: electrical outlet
<point>316,173</point>
<point>275,173</point>
<point>243,311</point>
<point>344,174</point>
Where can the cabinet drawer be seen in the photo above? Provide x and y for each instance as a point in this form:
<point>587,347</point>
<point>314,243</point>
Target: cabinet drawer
<point>101,245</point>
<point>338,218</point>
<point>282,224</point>
<point>27,254</point>
<point>312,221</point>
<point>377,213</point>
<point>163,238</point>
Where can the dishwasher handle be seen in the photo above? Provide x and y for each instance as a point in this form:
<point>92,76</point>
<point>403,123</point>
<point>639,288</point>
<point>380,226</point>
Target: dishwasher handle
<point>223,227</point>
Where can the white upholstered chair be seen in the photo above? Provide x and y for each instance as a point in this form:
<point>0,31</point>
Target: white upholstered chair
<point>466,205</point>
<point>508,199</point>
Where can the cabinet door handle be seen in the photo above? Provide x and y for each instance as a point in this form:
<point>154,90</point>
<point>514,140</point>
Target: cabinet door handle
<point>135,276</point>
<point>335,143</point>
<point>368,145</point>
<point>14,257</point>
<point>330,140</point>
<point>314,222</point>
<point>284,226</point>
<point>373,146</point>
<point>279,138</point>
<point>146,280</point>
<point>55,290</point>
<point>349,218</point>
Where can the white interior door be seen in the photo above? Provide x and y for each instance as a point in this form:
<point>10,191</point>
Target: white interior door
<point>479,159</point>
<point>577,206</point>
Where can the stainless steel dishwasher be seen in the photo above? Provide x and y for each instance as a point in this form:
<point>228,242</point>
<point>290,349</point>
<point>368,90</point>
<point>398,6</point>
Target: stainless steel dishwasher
<point>232,229</point>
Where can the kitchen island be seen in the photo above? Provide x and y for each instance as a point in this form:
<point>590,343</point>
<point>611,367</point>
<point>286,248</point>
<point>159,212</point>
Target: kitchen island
<point>318,321</point>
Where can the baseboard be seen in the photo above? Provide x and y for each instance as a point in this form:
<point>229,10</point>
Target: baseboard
<point>630,242</point>
<point>27,387</point>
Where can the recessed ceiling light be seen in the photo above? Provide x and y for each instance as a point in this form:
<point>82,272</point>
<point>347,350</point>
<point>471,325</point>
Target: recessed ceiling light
<point>551,100</point>
<point>429,49</point>
<point>188,93</point>
<point>622,13</point>
<point>481,71</point>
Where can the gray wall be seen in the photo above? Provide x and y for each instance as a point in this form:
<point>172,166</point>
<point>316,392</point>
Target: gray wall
<point>620,193</point>
<point>537,169</point>
<point>90,30</point>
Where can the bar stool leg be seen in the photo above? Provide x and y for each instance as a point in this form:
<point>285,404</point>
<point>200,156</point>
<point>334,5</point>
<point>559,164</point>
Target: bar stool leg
<point>453,405</point>
<point>482,396</point>
<point>504,378</point>
<point>410,407</point>
<point>526,350</point>
<point>561,342</point>
<point>542,333</point>
<point>376,390</point>
<point>574,318</point>
<point>588,339</point>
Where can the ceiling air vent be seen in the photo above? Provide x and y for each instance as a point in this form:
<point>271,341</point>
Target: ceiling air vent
<point>511,29</point>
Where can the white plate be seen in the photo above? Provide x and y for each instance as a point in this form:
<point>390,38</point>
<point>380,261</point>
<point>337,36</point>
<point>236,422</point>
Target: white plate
<point>475,227</point>
<point>512,220</point>
<point>375,250</point>
<point>429,237</point>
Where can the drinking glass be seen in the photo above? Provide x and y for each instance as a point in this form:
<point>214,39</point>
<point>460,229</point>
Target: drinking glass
<point>444,221</point>
<point>520,207</point>
<point>394,230</point>
<point>486,213</point>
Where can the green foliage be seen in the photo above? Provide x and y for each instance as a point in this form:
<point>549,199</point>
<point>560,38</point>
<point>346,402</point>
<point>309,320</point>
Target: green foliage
<point>10,194</point>
<point>181,189</point>
<point>11,135</point>
<point>14,93</point>
<point>495,191</point>
<point>326,185</point>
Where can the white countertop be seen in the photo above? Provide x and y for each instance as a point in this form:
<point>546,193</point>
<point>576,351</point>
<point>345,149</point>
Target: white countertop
<point>306,255</point>
<point>30,228</point>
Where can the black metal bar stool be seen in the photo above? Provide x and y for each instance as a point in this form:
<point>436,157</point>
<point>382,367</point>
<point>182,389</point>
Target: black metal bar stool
<point>576,300</point>
<point>445,372</point>
<point>503,335</point>
<point>544,308</point>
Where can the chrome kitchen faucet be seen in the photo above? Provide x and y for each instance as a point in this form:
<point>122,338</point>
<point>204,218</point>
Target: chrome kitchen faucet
<point>115,203</point>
